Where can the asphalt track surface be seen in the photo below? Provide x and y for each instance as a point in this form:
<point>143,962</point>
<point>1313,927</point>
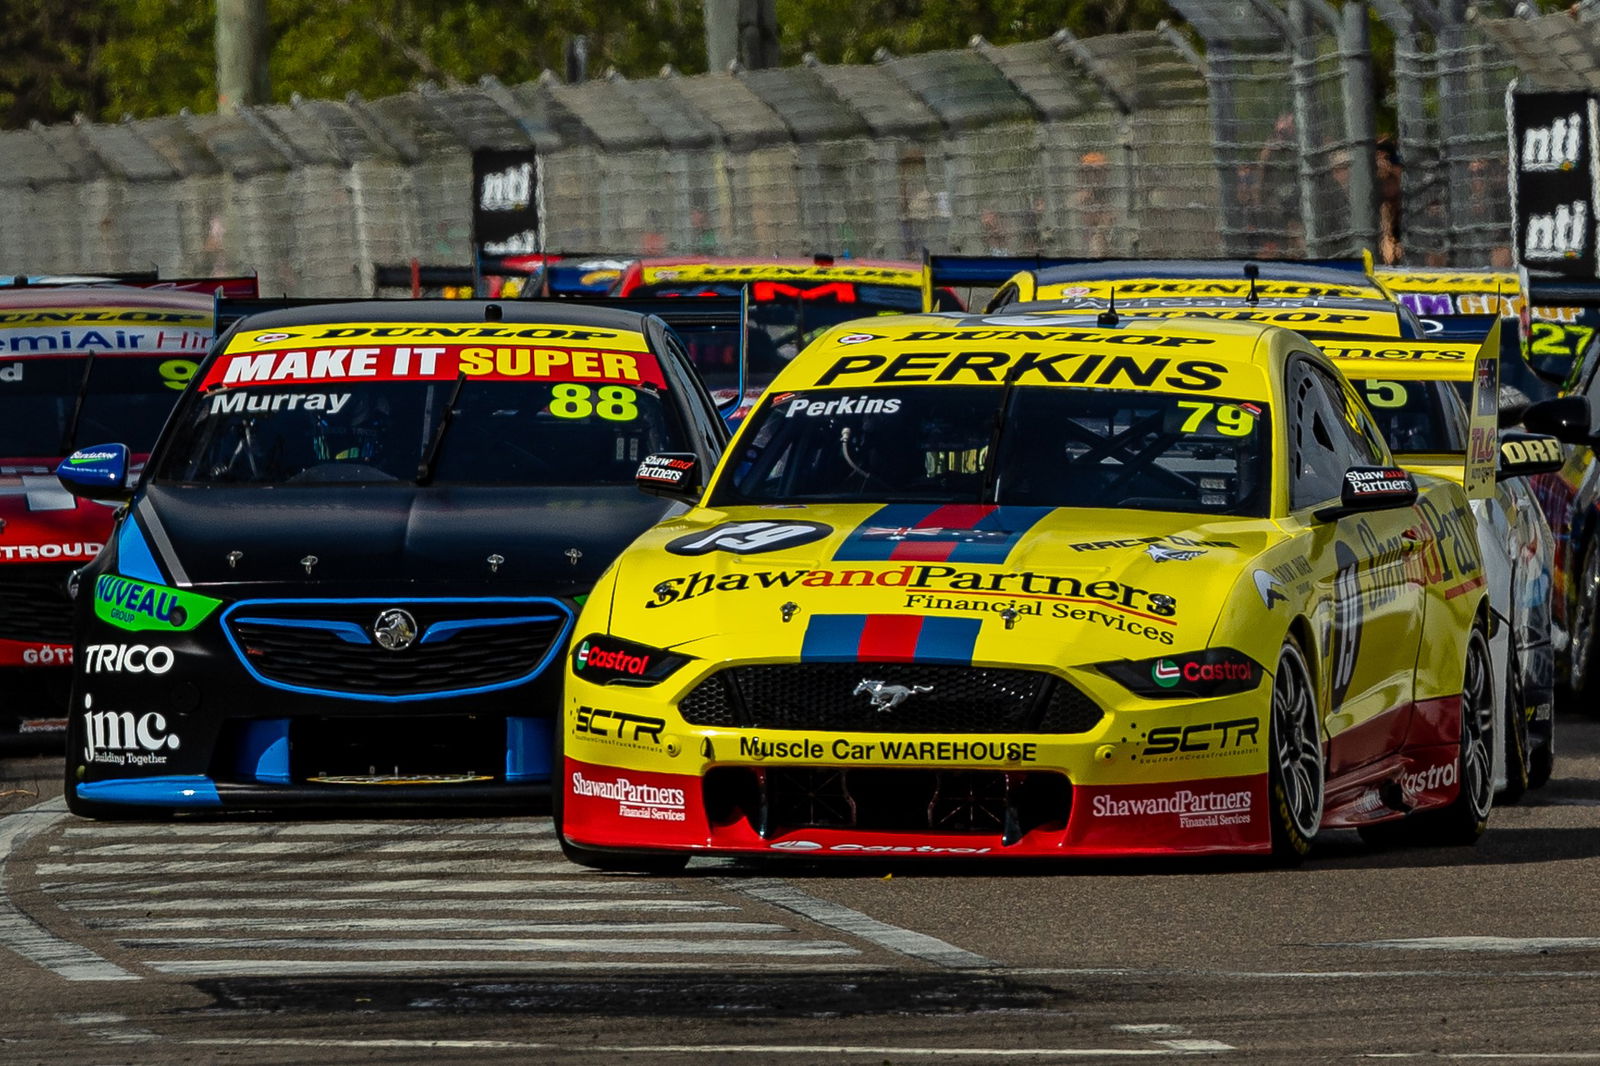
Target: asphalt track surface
<point>450,939</point>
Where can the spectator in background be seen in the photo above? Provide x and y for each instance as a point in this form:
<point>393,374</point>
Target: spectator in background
<point>1391,246</point>
<point>1096,216</point>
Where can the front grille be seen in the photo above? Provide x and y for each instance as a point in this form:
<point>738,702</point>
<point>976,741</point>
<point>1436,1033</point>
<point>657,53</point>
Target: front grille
<point>959,699</point>
<point>776,800</point>
<point>34,605</point>
<point>461,645</point>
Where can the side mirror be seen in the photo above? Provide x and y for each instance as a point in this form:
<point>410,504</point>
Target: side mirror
<point>1565,418</point>
<point>1522,454</point>
<point>675,475</point>
<point>1372,488</point>
<point>97,473</point>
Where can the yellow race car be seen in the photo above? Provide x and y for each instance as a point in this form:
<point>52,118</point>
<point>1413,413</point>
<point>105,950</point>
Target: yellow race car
<point>1034,586</point>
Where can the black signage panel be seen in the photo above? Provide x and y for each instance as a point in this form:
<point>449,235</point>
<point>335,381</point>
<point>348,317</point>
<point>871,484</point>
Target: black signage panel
<point>1553,181</point>
<point>505,202</point>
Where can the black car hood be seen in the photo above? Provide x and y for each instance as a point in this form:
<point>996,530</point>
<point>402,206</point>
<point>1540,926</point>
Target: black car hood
<point>379,535</point>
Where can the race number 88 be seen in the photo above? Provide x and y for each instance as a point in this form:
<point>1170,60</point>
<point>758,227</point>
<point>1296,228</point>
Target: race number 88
<point>614,403</point>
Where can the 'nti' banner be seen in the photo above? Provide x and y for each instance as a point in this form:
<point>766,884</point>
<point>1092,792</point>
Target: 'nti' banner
<point>505,202</point>
<point>1554,175</point>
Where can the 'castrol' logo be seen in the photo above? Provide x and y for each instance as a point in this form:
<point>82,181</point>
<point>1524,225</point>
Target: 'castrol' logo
<point>1441,776</point>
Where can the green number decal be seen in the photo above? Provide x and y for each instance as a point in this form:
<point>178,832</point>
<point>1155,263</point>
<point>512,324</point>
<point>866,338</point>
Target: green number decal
<point>175,373</point>
<point>617,404</point>
<point>571,401</point>
<point>1386,394</point>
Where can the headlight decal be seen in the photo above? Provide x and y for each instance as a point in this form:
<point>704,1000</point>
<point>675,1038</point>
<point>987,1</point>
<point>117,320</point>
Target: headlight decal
<point>606,660</point>
<point>1191,675</point>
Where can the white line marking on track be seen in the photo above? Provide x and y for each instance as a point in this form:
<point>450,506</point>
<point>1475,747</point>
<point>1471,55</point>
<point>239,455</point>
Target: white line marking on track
<point>433,887</point>
<point>304,968</point>
<point>237,905</point>
<point>26,937</point>
<point>183,849</point>
<point>114,867</point>
<point>620,945</point>
<point>1157,1029</point>
<point>1516,1056</point>
<point>463,924</point>
<point>1314,975</point>
<point>837,916</point>
<point>1520,944</point>
<point>376,828</point>
<point>712,1049</point>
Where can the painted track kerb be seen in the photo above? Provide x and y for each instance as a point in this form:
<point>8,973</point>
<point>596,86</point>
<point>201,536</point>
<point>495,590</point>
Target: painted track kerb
<point>26,937</point>
<point>837,916</point>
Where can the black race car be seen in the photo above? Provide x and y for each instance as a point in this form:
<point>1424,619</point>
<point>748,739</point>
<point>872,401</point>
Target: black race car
<point>353,561</point>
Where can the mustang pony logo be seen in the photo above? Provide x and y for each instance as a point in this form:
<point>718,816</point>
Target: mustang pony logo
<point>887,697</point>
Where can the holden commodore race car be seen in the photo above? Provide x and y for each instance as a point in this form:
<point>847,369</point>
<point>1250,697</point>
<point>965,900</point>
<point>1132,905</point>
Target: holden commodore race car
<point>359,547</point>
<point>79,361</point>
<point>1420,394</point>
<point>1036,586</point>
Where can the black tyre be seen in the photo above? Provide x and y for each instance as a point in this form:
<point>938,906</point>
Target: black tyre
<point>1542,761</point>
<point>1515,726</point>
<point>1295,773</point>
<point>1577,694</point>
<point>641,862</point>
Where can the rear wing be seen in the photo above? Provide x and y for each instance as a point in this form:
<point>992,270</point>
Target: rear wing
<point>234,286</point>
<point>537,275</point>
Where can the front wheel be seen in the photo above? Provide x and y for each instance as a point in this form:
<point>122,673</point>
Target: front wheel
<point>1464,821</point>
<point>1295,774</point>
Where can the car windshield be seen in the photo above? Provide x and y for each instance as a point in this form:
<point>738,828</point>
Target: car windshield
<point>1051,447</point>
<point>126,399</point>
<point>501,432</point>
<point>1418,417</point>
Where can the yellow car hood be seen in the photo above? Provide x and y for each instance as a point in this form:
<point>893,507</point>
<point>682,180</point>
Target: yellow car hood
<point>966,582</point>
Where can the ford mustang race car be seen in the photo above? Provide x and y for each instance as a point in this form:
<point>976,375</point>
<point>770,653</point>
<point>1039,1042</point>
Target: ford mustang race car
<point>79,362</point>
<point>1420,394</point>
<point>358,549</point>
<point>1036,586</point>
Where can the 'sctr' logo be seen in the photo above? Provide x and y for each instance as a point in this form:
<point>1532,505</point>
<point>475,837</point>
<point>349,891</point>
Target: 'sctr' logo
<point>888,697</point>
<point>394,630</point>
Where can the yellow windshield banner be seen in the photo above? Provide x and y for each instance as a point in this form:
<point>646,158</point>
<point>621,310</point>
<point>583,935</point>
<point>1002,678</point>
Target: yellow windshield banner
<point>1483,432</point>
<point>1398,350</point>
<point>742,272</point>
<point>333,335</point>
<point>1221,287</point>
<point>1303,319</point>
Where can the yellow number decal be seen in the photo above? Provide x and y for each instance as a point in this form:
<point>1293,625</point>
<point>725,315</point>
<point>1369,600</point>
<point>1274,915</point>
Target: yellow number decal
<point>1234,421</point>
<point>617,404</point>
<point>1386,394</point>
<point>175,373</point>
<point>1199,409</point>
<point>570,401</point>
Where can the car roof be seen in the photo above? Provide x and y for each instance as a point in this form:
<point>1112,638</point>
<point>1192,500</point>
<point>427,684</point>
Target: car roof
<point>1232,269</point>
<point>86,297</point>
<point>466,312</point>
<point>904,349</point>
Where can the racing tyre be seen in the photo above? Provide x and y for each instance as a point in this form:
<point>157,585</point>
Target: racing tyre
<point>1295,768</point>
<point>1581,652</point>
<point>1542,761</point>
<point>660,862</point>
<point>1515,724</point>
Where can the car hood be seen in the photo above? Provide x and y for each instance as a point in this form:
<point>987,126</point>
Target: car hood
<point>1023,584</point>
<point>556,538</point>
<point>42,522</point>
